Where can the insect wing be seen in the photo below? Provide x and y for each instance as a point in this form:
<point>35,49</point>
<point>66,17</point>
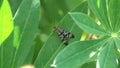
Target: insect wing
<point>65,42</point>
<point>64,35</point>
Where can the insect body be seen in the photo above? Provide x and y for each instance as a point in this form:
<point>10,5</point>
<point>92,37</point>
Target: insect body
<point>64,35</point>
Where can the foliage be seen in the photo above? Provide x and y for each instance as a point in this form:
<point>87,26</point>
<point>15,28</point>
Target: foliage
<point>27,36</point>
<point>14,51</point>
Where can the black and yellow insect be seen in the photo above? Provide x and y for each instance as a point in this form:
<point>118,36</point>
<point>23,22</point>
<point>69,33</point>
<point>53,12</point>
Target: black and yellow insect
<point>64,35</point>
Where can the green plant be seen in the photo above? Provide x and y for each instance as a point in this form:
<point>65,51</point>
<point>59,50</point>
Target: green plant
<point>100,53</point>
<point>18,32</point>
<point>20,43</point>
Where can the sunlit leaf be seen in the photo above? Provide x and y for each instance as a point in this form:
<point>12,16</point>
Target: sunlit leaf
<point>6,21</point>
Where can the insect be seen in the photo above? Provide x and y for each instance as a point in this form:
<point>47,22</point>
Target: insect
<point>64,35</point>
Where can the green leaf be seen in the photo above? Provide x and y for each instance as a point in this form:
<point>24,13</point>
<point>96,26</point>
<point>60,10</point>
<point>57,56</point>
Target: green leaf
<point>80,6</point>
<point>78,53</point>
<point>6,29</point>
<point>1,1</point>
<point>14,5</point>
<point>114,13</point>
<point>117,43</point>
<point>86,23</point>
<point>54,45</point>
<point>99,8</point>
<point>107,57</point>
<point>89,65</point>
<point>7,52</point>
<point>71,4</point>
<point>26,24</point>
<point>6,21</point>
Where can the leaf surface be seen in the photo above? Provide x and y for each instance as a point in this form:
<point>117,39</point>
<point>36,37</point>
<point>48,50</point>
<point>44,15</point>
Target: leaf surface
<point>6,29</point>
<point>6,21</point>
<point>86,23</point>
<point>107,57</point>
<point>78,53</point>
<point>99,8</point>
<point>54,45</point>
<point>26,24</point>
<point>114,13</point>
